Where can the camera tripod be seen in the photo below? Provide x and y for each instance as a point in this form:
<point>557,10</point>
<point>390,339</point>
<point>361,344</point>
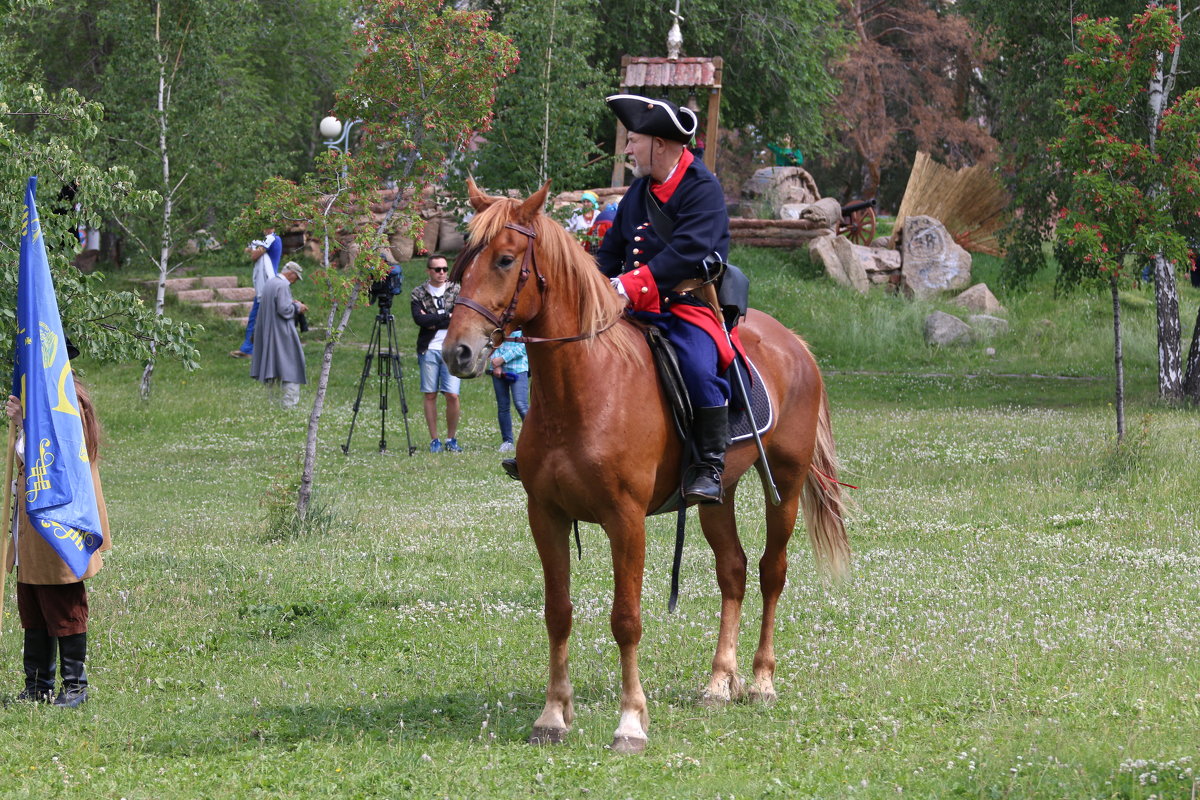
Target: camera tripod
<point>389,367</point>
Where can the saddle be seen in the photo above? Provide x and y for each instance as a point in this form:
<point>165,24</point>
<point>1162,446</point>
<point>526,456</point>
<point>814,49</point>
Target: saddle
<point>667,365</point>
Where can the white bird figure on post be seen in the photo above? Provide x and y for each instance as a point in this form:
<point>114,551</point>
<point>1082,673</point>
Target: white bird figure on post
<point>675,36</point>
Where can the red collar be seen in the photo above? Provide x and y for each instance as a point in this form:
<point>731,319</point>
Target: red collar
<point>664,190</point>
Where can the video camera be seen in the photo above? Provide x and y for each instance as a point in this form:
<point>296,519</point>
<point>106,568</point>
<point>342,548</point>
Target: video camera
<point>387,287</point>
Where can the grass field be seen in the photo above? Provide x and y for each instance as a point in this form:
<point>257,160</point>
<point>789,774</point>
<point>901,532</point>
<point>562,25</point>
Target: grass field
<point>1023,618</point>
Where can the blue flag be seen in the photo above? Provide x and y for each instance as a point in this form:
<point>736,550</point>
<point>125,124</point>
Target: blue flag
<point>60,499</point>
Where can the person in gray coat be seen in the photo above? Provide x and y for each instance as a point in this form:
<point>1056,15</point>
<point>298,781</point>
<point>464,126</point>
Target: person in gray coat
<point>277,356</point>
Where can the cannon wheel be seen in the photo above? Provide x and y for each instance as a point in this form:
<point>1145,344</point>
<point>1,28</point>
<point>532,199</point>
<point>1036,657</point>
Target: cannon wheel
<point>859,226</point>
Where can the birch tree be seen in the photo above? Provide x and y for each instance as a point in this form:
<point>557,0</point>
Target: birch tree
<point>1166,291</point>
<point>1129,197</point>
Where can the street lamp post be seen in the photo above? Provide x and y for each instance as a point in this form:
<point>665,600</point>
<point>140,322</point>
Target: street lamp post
<point>337,137</point>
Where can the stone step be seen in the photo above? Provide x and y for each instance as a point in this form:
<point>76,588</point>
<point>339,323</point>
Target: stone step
<point>220,281</point>
<point>177,284</point>
<point>243,321</point>
<point>227,309</point>
<point>239,293</point>
<point>196,295</point>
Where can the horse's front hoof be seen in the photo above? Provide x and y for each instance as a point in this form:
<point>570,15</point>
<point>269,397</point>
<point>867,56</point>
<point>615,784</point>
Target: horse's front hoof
<point>628,745</point>
<point>542,735</point>
<point>709,699</point>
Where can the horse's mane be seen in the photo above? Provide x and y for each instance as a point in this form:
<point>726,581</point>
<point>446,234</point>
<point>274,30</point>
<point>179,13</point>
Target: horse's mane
<point>568,268</point>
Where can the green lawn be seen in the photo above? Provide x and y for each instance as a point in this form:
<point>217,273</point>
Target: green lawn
<point>1023,618</point>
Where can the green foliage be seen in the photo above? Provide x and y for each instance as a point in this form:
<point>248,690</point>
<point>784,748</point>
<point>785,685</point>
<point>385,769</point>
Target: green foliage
<point>246,82</point>
<point>1032,42</point>
<point>549,107</point>
<point>425,84</point>
<point>47,134</point>
<point>776,55</point>
<point>1130,198</point>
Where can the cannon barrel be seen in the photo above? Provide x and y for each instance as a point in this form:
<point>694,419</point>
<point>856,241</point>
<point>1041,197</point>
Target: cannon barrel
<point>858,205</point>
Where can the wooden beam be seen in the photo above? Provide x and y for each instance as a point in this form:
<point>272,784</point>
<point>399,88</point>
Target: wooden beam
<point>712,128</point>
<point>618,173</point>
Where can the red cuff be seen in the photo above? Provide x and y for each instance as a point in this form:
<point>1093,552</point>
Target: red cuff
<point>642,290</point>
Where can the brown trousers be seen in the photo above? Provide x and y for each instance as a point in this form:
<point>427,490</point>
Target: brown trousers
<point>60,609</point>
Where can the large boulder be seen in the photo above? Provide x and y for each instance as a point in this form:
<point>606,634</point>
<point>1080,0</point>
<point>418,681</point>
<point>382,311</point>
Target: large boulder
<point>840,263</point>
<point>931,261</point>
<point>822,251</point>
<point>980,299</point>
<point>945,329</point>
<point>854,260</point>
<point>854,265</point>
<point>770,188</point>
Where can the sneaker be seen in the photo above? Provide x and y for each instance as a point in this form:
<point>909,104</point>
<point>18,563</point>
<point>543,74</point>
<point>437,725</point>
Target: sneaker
<point>238,354</point>
<point>435,446</point>
<point>507,447</point>
<point>452,446</point>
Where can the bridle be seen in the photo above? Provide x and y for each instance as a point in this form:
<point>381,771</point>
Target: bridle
<point>497,337</point>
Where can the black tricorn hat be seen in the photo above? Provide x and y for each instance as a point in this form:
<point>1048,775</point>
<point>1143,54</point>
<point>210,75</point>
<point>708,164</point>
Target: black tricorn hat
<point>654,117</point>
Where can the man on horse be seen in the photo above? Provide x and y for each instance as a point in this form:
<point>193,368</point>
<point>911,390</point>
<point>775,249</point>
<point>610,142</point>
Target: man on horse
<point>670,221</point>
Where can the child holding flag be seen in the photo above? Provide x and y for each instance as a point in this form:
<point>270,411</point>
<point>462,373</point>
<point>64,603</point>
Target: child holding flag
<point>62,524</point>
<point>51,601</point>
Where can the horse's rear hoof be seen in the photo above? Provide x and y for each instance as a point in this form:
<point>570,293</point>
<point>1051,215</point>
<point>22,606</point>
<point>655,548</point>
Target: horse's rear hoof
<point>628,745</point>
<point>542,735</point>
<point>764,696</point>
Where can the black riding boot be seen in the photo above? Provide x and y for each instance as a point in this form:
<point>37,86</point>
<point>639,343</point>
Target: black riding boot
<point>74,676</point>
<point>710,433</point>
<point>41,656</point>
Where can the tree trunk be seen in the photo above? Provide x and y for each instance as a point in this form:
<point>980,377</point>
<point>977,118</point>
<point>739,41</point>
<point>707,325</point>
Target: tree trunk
<point>304,495</point>
<point>146,374</point>
<point>1166,293</point>
<point>1119,358</point>
<point>1166,303</point>
<point>164,255</point>
<point>307,477</point>
<point>1191,380</point>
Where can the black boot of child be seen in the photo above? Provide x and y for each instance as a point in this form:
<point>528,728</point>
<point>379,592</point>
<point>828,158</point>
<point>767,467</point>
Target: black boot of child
<point>40,660</point>
<point>74,677</point>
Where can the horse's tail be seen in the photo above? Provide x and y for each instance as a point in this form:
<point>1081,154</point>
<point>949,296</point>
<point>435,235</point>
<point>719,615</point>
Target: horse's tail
<point>824,507</point>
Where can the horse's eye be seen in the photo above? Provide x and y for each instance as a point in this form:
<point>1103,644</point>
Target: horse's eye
<point>504,262</point>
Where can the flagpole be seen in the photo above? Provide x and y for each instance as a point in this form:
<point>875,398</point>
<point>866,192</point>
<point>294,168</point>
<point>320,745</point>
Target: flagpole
<point>6,524</point>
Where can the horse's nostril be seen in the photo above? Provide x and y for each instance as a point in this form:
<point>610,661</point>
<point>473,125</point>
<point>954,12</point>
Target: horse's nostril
<point>462,355</point>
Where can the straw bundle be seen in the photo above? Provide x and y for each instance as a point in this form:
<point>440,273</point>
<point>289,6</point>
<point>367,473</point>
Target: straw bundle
<point>969,202</point>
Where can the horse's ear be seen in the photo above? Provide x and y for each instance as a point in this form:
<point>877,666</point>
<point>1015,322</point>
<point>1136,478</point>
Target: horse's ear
<point>479,201</point>
<point>533,205</point>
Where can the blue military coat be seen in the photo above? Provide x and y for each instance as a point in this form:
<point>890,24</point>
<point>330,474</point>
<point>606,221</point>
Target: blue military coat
<point>631,246</point>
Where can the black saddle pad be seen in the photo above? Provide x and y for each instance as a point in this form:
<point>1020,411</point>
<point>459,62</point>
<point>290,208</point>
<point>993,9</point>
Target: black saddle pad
<point>760,403</point>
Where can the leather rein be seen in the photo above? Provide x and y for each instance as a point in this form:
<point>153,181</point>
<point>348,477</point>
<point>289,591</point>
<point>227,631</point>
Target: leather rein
<point>497,337</point>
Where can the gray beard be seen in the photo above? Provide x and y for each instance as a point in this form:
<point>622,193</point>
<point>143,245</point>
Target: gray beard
<point>640,172</point>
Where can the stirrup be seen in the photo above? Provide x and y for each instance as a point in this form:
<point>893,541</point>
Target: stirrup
<point>509,465</point>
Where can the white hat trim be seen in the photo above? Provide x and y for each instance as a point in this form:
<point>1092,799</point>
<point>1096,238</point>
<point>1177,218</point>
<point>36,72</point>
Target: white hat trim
<point>666,108</point>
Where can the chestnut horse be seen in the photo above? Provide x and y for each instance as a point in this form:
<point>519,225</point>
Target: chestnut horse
<point>598,445</point>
